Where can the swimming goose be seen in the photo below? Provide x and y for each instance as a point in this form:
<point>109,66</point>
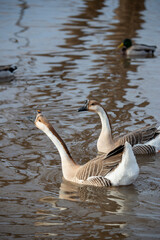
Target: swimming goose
<point>117,168</point>
<point>146,139</point>
<point>6,73</point>
<point>137,49</point>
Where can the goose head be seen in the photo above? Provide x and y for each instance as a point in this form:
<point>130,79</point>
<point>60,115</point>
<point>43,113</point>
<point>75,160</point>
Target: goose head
<point>91,106</point>
<point>41,122</point>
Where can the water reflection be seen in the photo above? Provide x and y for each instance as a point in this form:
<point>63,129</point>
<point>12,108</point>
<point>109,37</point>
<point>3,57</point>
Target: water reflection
<point>107,71</point>
<point>112,199</point>
<point>101,204</point>
<point>66,52</point>
<point>115,80</point>
<point>130,19</point>
<point>23,7</point>
<point>79,23</point>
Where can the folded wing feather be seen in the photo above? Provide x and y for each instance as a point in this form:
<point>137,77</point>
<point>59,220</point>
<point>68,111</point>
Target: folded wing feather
<point>139,136</point>
<point>98,168</point>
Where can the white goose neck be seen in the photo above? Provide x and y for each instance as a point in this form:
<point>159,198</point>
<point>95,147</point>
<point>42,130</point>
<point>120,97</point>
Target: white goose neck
<point>68,165</point>
<point>105,141</point>
<point>106,128</point>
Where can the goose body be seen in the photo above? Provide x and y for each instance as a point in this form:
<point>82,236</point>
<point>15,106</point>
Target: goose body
<point>117,168</point>
<point>136,50</point>
<point>7,73</point>
<point>144,140</point>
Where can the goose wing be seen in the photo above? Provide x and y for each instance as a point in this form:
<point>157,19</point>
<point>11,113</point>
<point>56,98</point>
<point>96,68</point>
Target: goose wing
<point>139,136</point>
<point>94,171</point>
<point>98,181</point>
<point>143,149</point>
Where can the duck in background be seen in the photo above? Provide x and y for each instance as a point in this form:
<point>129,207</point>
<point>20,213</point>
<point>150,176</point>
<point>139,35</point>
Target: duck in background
<point>130,49</point>
<point>7,73</point>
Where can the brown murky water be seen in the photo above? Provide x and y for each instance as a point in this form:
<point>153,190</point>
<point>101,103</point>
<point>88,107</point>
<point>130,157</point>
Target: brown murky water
<point>65,52</point>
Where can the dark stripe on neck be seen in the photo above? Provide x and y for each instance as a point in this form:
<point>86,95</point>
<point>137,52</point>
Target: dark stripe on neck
<point>59,138</point>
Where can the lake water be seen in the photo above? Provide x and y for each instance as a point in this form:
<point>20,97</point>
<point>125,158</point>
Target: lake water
<point>66,53</point>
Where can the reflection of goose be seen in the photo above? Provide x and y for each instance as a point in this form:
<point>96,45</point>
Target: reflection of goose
<point>7,73</point>
<point>148,135</point>
<point>114,169</point>
<point>73,192</point>
<point>113,199</point>
<point>137,49</point>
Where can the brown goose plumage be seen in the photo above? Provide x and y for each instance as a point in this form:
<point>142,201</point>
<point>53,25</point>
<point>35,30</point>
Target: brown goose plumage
<point>119,167</point>
<point>139,136</point>
<point>96,169</point>
<point>106,142</point>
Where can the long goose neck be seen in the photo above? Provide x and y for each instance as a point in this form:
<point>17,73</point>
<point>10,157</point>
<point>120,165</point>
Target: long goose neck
<point>106,127</point>
<point>68,165</point>
<point>105,140</point>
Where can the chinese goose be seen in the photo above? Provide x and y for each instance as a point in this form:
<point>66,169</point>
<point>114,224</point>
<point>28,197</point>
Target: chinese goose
<point>137,49</point>
<point>144,140</point>
<point>117,168</point>
<point>7,73</point>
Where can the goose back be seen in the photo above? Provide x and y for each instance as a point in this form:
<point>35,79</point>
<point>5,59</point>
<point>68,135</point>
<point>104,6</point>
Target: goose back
<point>139,136</point>
<point>99,166</point>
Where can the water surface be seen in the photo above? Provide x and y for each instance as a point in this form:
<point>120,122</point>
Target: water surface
<point>66,52</point>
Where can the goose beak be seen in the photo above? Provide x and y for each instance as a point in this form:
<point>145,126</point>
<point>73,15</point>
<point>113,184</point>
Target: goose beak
<point>32,119</point>
<point>121,45</point>
<point>84,108</point>
<point>38,114</point>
